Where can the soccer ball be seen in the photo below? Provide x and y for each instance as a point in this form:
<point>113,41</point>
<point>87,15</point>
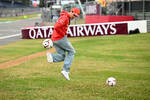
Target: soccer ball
<point>47,43</point>
<point>111,81</point>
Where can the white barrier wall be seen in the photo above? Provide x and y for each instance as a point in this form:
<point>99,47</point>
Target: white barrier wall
<point>141,25</point>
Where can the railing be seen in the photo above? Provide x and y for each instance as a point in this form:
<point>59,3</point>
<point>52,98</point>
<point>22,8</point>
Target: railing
<point>140,15</point>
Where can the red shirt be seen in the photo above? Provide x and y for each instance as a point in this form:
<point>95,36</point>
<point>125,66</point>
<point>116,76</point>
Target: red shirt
<point>61,26</point>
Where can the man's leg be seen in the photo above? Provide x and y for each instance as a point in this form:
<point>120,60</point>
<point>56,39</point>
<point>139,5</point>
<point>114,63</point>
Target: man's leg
<point>67,46</point>
<point>68,59</point>
<point>60,56</point>
<point>61,47</point>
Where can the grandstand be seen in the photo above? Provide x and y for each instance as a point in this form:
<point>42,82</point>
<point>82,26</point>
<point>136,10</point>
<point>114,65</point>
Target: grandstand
<point>9,8</point>
<point>13,4</point>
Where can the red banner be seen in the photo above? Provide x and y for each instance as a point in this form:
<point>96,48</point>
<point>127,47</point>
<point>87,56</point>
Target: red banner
<point>106,19</point>
<point>78,30</point>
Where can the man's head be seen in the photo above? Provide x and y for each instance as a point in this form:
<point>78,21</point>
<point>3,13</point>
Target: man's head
<point>74,12</point>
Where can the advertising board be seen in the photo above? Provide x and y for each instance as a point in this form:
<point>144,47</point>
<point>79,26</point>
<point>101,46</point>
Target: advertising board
<point>78,30</point>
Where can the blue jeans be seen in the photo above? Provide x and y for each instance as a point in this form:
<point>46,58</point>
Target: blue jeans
<point>62,46</point>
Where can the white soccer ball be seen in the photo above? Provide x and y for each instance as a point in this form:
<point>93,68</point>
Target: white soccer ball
<point>47,43</point>
<point>111,81</point>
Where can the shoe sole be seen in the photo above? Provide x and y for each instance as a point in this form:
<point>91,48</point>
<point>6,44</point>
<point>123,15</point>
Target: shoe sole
<point>49,59</point>
<point>65,77</point>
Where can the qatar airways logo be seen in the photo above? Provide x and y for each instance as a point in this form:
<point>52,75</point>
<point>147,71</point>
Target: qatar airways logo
<point>76,31</point>
<point>36,33</point>
<point>92,30</point>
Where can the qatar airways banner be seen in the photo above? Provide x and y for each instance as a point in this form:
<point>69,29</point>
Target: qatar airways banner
<point>77,30</point>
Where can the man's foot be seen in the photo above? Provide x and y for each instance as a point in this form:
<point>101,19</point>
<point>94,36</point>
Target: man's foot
<point>66,75</point>
<point>49,57</point>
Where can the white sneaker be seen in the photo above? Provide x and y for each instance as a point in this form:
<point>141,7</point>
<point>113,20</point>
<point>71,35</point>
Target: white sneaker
<point>66,75</point>
<point>49,57</point>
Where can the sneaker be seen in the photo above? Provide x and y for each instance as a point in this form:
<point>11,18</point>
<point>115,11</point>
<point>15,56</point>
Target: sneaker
<point>66,75</point>
<point>49,57</point>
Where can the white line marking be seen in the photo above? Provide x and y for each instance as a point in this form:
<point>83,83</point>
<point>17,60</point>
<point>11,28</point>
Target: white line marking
<point>5,37</point>
<point>4,22</point>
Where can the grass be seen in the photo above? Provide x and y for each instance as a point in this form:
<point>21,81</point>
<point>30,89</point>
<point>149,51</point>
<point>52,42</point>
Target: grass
<point>20,49</point>
<point>18,17</point>
<point>125,57</point>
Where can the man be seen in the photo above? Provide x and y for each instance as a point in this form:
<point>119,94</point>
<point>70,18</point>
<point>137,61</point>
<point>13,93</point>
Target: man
<point>61,43</point>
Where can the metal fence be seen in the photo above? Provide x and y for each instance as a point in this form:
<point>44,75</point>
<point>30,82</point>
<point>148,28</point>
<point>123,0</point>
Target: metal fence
<point>140,9</point>
<point>50,14</point>
<point>148,26</point>
<point>11,12</point>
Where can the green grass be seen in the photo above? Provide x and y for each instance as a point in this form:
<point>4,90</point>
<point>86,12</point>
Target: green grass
<point>18,17</point>
<point>20,49</point>
<point>125,57</point>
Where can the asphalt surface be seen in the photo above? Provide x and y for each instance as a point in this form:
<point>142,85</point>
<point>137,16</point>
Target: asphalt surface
<point>11,31</point>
